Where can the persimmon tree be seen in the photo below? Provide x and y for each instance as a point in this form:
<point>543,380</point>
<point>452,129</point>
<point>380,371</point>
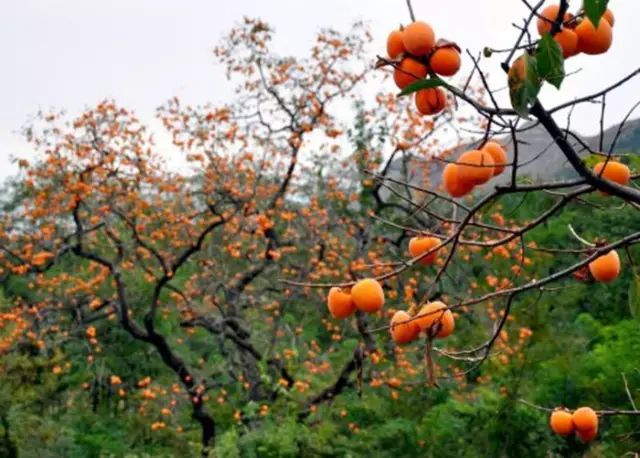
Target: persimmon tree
<point>218,294</point>
<point>469,227</point>
<point>106,239</point>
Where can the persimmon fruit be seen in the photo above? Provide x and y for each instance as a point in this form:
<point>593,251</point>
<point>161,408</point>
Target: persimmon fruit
<point>436,312</point>
<point>395,46</point>
<point>367,295</point>
<point>605,268</point>
<point>568,41</point>
<point>408,71</point>
<point>453,183</point>
<point>585,419</point>
<point>592,40</point>
<point>561,422</point>
<point>498,154</point>
<point>547,18</point>
<point>476,166</point>
<point>403,329</point>
<point>430,101</point>
<point>445,61</point>
<point>517,72</point>
<point>420,245</point>
<point>340,303</point>
<point>418,38</point>
<point>613,171</point>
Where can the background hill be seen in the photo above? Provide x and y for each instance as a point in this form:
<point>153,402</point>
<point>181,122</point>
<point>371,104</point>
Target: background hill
<point>542,159</point>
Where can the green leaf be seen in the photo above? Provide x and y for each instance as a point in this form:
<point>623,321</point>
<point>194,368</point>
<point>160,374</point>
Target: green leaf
<point>594,9</point>
<point>550,61</point>
<point>524,83</point>
<point>288,318</point>
<point>591,160</point>
<point>350,344</point>
<point>422,84</point>
<point>634,294</point>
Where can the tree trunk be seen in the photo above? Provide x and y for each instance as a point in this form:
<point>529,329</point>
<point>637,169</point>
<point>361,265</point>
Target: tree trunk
<point>9,447</point>
<point>208,427</point>
<point>207,424</point>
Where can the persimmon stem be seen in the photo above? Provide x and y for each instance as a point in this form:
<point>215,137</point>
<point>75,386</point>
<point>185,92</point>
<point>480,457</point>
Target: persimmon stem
<point>428,358</point>
<point>578,238</point>
<point>626,388</point>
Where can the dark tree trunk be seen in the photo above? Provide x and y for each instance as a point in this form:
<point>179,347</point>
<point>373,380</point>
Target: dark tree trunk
<point>207,424</point>
<point>9,447</point>
<point>208,427</point>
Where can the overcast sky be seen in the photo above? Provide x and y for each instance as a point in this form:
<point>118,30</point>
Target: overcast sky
<point>70,54</point>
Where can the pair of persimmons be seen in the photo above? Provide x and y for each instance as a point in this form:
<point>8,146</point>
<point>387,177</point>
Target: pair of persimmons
<point>606,268</point>
<point>584,421</point>
<point>473,168</point>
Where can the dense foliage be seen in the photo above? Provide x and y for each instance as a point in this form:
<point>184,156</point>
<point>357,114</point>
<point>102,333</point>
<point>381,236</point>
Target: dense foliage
<point>146,313</point>
<point>583,338</point>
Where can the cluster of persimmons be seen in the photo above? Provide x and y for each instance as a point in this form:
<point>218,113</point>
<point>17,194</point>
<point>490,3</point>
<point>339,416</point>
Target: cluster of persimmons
<point>583,421</point>
<point>577,33</point>
<point>434,318</point>
<point>417,54</point>
<point>367,295</point>
<point>473,168</point>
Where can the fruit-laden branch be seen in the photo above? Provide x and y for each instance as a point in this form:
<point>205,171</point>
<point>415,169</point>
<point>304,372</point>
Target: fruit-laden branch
<point>624,192</point>
<point>66,248</point>
<point>483,110</point>
<point>368,347</point>
<point>158,341</point>
<point>511,294</point>
<point>136,236</point>
<point>175,266</point>
<point>231,330</point>
<point>123,304</point>
<point>463,224</point>
<point>629,240</point>
<point>601,413</point>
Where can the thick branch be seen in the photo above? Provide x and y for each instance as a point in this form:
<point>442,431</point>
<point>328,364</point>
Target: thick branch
<point>624,192</point>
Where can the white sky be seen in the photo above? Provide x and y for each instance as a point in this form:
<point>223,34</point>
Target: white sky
<point>70,54</point>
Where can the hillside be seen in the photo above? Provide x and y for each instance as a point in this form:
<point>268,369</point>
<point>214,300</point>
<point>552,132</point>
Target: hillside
<point>541,159</point>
